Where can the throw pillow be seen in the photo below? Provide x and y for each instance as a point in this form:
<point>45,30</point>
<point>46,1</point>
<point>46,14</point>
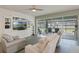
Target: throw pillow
<point>8,38</point>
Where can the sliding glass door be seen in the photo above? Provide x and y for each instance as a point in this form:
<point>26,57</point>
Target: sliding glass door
<point>41,27</point>
<point>67,24</point>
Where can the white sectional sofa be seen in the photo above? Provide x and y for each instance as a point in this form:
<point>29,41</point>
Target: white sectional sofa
<point>45,45</point>
<point>13,44</point>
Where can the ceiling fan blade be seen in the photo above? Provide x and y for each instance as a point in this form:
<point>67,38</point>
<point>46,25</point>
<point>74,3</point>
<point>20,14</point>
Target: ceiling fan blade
<point>34,8</point>
<point>39,9</point>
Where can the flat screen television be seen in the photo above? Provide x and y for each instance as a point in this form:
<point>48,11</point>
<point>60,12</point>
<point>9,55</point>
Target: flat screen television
<point>18,25</point>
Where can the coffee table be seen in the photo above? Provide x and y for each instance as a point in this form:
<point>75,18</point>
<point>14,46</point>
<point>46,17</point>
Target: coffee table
<point>32,39</point>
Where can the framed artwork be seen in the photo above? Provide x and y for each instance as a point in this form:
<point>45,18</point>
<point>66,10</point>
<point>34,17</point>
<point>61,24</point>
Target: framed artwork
<point>19,23</point>
<point>7,23</point>
<point>7,26</point>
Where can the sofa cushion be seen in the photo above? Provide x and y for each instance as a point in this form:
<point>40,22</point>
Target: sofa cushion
<point>16,37</point>
<point>7,37</point>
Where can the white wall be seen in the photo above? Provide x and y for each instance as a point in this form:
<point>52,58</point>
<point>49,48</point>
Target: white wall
<point>7,13</point>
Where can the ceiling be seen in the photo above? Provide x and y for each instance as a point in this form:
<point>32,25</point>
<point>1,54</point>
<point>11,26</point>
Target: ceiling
<point>46,8</point>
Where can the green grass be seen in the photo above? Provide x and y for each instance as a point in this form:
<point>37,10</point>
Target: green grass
<point>69,29</point>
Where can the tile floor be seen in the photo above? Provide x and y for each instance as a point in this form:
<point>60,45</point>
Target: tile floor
<point>67,44</point>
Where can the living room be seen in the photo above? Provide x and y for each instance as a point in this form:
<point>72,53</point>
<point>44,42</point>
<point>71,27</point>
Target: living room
<point>27,25</point>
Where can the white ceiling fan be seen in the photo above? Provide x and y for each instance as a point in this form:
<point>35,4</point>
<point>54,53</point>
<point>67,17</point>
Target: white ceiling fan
<point>34,9</point>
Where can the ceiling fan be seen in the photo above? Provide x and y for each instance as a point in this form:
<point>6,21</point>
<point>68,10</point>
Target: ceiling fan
<point>34,8</point>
